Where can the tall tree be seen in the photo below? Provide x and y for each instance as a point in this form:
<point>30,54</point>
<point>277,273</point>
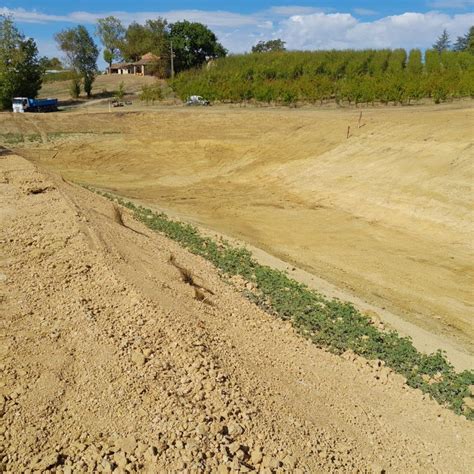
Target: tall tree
<point>152,37</point>
<point>466,42</point>
<point>193,44</point>
<point>111,33</point>
<point>443,42</point>
<point>20,68</point>
<point>81,53</point>
<point>415,63</point>
<point>267,46</point>
<point>133,45</point>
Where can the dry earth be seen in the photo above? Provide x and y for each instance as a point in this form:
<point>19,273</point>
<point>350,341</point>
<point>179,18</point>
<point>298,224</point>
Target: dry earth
<point>110,362</point>
<point>385,215</point>
<point>103,84</point>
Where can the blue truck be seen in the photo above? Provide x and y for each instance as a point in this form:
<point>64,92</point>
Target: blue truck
<point>24,104</point>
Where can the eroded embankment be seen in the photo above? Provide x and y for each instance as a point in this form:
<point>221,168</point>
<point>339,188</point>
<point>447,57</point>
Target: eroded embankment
<point>384,215</point>
<point>110,359</point>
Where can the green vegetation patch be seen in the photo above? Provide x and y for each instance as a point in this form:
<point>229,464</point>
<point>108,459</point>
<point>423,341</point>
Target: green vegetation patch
<point>58,76</point>
<point>16,138</point>
<point>346,77</point>
<point>331,324</point>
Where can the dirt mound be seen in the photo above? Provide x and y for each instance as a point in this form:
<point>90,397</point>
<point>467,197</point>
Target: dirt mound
<point>111,361</point>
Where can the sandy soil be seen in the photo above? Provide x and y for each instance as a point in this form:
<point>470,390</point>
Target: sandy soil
<point>385,215</point>
<point>109,361</point>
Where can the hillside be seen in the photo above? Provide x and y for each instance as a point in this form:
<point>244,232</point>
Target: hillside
<point>383,216</point>
<point>110,360</point>
<point>104,85</point>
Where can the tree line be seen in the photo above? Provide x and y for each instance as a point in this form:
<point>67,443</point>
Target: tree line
<point>269,74</point>
<point>351,76</point>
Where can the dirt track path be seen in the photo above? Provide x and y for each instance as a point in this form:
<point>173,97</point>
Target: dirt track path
<point>109,360</point>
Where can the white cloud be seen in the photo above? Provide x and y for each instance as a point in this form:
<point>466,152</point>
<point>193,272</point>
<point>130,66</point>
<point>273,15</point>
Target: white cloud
<point>295,10</point>
<point>30,16</point>
<point>322,31</point>
<point>211,18</point>
<point>299,27</point>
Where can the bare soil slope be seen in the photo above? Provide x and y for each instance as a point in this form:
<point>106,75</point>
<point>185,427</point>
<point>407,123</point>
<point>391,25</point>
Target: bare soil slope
<point>385,215</point>
<point>109,360</point>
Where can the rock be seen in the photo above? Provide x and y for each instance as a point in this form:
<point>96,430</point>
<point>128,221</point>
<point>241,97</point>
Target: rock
<point>234,447</point>
<point>202,429</point>
<point>240,454</point>
<point>234,429</point>
<point>256,457</point>
<point>270,462</point>
<point>128,444</point>
<point>468,402</point>
<point>216,428</point>
<point>41,463</point>
<point>120,459</point>
<point>138,358</point>
<point>289,462</point>
<point>151,453</point>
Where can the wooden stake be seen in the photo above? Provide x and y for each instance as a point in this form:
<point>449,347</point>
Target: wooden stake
<point>360,119</point>
<point>348,131</point>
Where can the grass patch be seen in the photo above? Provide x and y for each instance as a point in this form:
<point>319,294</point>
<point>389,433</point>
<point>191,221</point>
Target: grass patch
<point>58,76</point>
<point>332,324</point>
<point>16,138</point>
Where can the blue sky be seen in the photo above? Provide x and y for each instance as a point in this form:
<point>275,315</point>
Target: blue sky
<point>239,25</point>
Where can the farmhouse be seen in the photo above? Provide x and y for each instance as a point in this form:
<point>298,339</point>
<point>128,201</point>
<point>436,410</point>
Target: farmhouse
<point>146,66</point>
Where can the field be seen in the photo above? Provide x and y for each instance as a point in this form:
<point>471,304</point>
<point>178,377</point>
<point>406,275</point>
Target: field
<point>104,85</point>
<point>383,215</point>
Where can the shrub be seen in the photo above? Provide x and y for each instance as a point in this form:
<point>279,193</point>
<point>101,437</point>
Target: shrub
<point>75,87</point>
<point>151,93</point>
<point>120,92</point>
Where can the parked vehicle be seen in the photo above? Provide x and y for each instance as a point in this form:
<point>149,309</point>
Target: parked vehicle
<point>197,100</point>
<point>24,104</point>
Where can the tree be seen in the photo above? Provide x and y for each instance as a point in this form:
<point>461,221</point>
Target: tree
<point>415,63</point>
<point>267,46</point>
<point>443,42</point>
<point>111,33</point>
<point>134,43</point>
<point>152,37</point>
<point>193,45</point>
<point>51,63</point>
<point>466,42</point>
<point>81,53</point>
<point>20,68</point>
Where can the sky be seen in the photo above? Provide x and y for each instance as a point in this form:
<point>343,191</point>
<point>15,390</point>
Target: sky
<point>239,25</point>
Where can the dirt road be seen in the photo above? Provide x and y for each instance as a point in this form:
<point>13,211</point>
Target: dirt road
<point>385,215</point>
<point>109,360</point>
